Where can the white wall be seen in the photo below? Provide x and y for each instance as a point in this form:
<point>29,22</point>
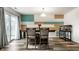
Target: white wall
<point>72,18</point>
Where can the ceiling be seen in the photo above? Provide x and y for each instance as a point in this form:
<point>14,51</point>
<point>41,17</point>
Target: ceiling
<point>38,10</point>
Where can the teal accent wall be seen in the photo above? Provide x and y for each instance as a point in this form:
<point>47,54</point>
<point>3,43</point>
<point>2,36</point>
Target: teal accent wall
<point>27,18</point>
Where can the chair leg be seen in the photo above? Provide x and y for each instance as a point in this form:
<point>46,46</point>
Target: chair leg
<point>27,44</point>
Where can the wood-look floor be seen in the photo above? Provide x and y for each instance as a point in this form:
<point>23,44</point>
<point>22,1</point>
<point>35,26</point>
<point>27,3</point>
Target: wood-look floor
<point>20,45</point>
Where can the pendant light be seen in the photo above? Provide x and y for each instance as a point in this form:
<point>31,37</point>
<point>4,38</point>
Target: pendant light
<point>43,14</point>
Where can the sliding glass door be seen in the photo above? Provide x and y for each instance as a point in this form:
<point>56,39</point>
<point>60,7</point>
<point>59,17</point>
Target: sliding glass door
<point>12,26</point>
<point>8,26</point>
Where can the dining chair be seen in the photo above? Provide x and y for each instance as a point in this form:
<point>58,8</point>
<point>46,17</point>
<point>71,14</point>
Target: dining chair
<point>31,36</point>
<point>44,36</point>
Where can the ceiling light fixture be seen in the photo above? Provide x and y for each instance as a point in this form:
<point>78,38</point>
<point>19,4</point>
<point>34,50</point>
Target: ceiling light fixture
<point>43,14</point>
